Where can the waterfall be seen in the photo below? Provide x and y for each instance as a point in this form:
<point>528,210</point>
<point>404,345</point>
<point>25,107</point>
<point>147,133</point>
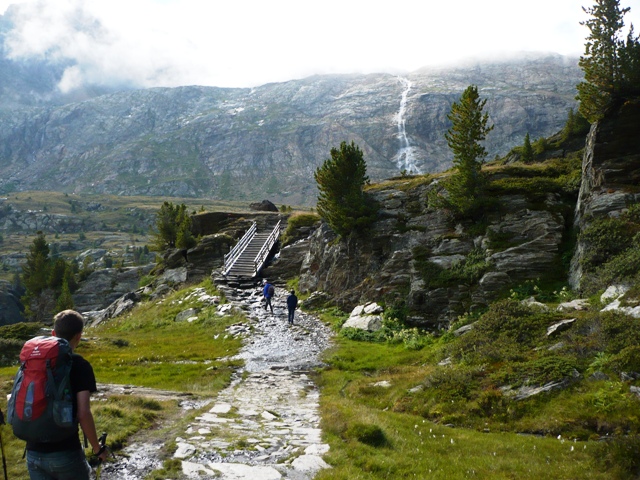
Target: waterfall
<point>404,159</point>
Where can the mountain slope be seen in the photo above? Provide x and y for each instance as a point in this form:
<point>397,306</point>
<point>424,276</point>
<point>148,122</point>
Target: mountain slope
<point>247,144</point>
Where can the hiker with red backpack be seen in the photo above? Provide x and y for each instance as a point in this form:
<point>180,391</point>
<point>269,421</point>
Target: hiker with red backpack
<point>50,397</point>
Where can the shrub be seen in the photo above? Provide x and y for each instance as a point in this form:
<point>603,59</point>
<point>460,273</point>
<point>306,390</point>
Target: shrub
<point>467,271</point>
<point>503,332</point>
<point>628,360</point>
<point>454,383</point>
<point>10,349</point>
<point>296,222</point>
<point>360,335</point>
<point>368,434</point>
<point>619,331</point>
<point>544,370</point>
<point>21,331</point>
<point>607,237</point>
<point>620,456</point>
<point>620,268</point>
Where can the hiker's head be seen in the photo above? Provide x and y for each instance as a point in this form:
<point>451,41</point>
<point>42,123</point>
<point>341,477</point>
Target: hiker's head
<point>293,292</point>
<point>67,324</point>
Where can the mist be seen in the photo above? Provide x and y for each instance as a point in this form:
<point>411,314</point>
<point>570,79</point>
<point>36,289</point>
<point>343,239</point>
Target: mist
<point>149,43</point>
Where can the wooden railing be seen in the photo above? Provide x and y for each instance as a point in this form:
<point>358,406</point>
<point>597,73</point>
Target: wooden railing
<point>231,257</point>
<point>266,248</point>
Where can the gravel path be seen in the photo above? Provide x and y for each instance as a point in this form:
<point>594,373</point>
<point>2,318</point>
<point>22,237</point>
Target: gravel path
<point>265,425</point>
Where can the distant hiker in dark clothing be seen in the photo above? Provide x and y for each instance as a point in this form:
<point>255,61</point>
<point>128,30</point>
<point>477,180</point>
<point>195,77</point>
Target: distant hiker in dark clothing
<point>292,303</point>
<point>268,291</point>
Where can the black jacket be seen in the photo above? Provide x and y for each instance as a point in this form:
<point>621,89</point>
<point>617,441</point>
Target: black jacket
<point>292,302</point>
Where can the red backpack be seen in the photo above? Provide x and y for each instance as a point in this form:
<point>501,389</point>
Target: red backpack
<point>41,408</point>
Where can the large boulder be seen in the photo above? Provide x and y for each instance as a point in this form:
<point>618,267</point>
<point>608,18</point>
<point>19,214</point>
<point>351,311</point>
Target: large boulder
<point>365,317</point>
<point>105,286</point>
<point>264,206</point>
<point>207,255</point>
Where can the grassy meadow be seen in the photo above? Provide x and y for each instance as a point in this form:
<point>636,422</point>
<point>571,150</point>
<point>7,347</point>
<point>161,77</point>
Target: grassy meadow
<point>390,408</point>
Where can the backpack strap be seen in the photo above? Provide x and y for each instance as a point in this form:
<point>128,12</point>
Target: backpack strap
<point>51,382</point>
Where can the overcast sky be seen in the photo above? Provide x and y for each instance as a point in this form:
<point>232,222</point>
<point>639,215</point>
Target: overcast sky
<point>244,43</point>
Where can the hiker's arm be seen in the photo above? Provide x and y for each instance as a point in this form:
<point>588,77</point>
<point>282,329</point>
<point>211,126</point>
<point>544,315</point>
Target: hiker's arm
<point>85,417</point>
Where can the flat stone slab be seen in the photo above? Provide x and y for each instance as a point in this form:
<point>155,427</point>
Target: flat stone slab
<point>309,463</point>
<point>184,450</point>
<point>220,408</point>
<point>239,471</point>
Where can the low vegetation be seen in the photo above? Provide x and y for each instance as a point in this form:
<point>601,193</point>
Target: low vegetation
<point>295,223</point>
<point>450,405</point>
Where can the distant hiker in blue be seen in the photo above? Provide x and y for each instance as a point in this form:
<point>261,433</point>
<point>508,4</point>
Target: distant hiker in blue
<point>268,291</point>
<point>292,303</point>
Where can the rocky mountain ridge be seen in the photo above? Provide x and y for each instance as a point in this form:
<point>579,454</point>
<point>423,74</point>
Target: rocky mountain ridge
<point>266,142</point>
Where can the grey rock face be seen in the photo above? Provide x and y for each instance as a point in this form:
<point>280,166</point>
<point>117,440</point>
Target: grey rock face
<point>10,306</point>
<point>610,173</point>
<point>387,263</point>
<point>266,142</point>
<point>105,286</point>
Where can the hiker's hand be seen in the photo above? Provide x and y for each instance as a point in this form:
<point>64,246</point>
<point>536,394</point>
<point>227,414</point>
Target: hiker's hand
<point>99,457</point>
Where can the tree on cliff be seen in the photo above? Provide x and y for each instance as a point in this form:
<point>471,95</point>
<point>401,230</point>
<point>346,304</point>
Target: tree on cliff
<point>611,64</point>
<point>174,227</point>
<point>469,128</point>
<point>527,149</point>
<point>342,202</point>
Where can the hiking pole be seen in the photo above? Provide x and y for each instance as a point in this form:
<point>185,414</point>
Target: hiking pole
<point>96,461</point>
<point>4,458</point>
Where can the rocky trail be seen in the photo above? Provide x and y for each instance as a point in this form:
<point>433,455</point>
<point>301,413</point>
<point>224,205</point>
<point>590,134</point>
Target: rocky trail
<point>265,424</point>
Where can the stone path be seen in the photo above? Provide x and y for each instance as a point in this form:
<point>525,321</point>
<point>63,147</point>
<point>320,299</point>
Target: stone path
<point>265,425</point>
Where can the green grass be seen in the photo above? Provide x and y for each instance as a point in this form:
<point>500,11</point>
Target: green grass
<point>459,424</point>
<point>160,353</point>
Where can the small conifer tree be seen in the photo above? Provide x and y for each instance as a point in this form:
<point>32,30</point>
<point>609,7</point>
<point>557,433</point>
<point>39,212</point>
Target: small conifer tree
<point>342,202</point>
<point>611,65</point>
<point>174,227</point>
<point>469,128</point>
<point>527,150</point>
<point>65,301</point>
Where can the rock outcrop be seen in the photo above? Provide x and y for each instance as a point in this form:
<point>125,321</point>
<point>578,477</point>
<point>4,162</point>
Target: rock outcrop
<point>399,260</point>
<point>10,307</point>
<point>610,172</point>
<point>105,286</point>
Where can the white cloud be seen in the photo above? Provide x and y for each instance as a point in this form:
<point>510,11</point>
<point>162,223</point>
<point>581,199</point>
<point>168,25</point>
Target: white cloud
<point>251,42</point>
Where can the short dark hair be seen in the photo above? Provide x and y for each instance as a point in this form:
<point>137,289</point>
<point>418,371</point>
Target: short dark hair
<point>293,292</point>
<point>67,324</point>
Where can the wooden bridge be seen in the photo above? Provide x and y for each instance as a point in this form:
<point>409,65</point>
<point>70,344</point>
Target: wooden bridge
<point>249,255</point>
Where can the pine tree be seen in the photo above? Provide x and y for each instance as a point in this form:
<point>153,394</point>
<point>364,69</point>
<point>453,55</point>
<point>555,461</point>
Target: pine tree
<point>342,202</point>
<point>65,301</point>
<point>38,298</point>
<point>630,64</point>
<point>174,227</point>
<point>469,128</point>
<point>36,271</point>
<point>610,64</point>
<point>527,150</point>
